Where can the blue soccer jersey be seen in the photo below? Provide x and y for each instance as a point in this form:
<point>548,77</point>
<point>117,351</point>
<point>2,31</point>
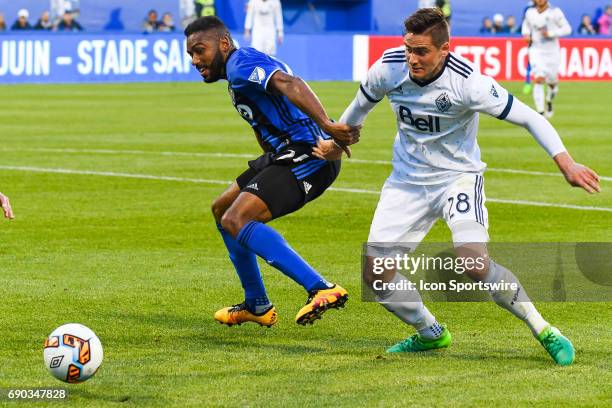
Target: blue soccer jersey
<point>278,121</point>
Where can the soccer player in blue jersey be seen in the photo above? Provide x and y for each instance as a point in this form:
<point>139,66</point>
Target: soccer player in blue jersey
<point>287,119</point>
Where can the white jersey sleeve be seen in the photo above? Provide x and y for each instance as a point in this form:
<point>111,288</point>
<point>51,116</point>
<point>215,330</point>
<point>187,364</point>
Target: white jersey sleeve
<point>560,26</point>
<point>373,85</point>
<point>483,94</point>
<point>377,83</point>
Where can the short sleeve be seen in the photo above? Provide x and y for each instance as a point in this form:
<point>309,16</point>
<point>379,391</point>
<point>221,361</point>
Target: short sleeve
<point>253,71</point>
<point>372,87</point>
<point>484,94</point>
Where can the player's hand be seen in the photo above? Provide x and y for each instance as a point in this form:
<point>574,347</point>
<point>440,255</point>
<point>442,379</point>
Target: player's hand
<point>330,151</point>
<point>280,39</point>
<point>576,174</point>
<point>342,133</point>
<point>6,207</point>
<point>544,33</point>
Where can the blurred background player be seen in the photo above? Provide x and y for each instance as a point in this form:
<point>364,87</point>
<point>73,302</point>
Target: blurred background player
<point>264,25</point>
<point>438,173</point>
<point>6,207</point>
<point>287,119</point>
<point>542,27</point>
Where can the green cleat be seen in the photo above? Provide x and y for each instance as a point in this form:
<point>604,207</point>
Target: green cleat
<point>527,89</point>
<point>416,343</point>
<point>557,345</point>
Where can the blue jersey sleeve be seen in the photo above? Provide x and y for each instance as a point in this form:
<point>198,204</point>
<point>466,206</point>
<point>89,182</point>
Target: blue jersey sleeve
<point>252,69</point>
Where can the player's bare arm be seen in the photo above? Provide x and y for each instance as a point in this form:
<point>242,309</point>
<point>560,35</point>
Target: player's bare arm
<point>6,207</point>
<point>300,94</point>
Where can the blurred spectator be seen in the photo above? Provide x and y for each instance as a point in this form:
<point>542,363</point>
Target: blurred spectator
<point>167,23</point>
<point>498,23</point>
<point>68,23</point>
<point>511,26</point>
<point>586,27</point>
<point>151,24</point>
<point>487,26</point>
<point>605,21</point>
<point>44,22</point>
<point>2,23</point>
<point>22,21</point>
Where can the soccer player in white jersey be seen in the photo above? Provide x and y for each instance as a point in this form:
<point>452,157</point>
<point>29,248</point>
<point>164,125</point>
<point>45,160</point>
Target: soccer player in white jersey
<point>437,172</point>
<point>542,26</point>
<point>264,24</point>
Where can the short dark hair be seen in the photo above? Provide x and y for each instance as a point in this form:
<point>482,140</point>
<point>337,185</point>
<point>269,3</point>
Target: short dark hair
<point>428,21</point>
<point>207,23</point>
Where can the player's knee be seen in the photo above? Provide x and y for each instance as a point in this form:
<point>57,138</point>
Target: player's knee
<point>539,80</point>
<point>478,271</point>
<point>233,220</point>
<point>231,223</point>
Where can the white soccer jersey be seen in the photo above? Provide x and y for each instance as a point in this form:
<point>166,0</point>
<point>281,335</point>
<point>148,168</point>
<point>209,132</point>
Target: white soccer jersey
<point>265,19</point>
<point>437,121</point>
<point>552,20</point>
<point>265,15</point>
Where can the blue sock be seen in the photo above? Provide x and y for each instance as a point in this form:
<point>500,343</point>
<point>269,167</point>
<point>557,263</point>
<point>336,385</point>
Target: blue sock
<point>273,248</point>
<point>246,266</point>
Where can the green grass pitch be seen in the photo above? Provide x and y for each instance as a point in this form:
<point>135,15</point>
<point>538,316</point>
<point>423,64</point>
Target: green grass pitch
<point>140,262</point>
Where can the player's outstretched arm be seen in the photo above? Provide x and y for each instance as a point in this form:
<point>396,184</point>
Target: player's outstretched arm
<point>545,134</point>
<point>300,94</point>
<point>6,207</point>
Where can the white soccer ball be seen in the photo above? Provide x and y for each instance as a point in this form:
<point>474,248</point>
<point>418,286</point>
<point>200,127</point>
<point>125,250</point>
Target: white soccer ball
<point>73,353</point>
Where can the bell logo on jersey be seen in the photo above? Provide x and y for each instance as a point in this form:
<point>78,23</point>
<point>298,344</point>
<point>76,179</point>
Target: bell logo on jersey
<point>431,124</point>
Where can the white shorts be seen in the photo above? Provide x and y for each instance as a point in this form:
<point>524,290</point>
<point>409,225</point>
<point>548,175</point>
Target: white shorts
<point>545,64</point>
<point>406,212</point>
<point>264,41</point>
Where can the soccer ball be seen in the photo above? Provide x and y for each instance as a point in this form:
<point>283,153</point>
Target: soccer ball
<point>73,353</point>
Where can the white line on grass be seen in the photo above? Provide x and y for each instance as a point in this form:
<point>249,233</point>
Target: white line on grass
<point>224,182</point>
<point>249,156</point>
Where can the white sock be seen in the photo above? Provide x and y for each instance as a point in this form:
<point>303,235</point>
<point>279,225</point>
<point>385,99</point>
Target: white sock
<point>432,332</point>
<point>408,306</point>
<point>553,89</point>
<point>538,97</point>
<point>515,301</point>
